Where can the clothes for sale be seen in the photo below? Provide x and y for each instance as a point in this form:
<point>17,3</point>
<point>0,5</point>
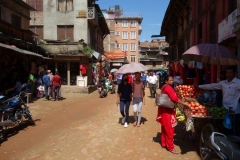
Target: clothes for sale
<point>199,65</point>
<point>83,68</point>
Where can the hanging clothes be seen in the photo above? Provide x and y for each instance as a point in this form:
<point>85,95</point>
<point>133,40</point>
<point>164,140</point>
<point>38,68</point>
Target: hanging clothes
<point>83,68</point>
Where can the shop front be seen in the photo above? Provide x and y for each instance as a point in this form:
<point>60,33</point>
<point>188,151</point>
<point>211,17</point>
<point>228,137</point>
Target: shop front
<point>74,69</point>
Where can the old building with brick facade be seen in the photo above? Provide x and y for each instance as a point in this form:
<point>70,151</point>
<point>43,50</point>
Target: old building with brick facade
<point>124,31</point>
<point>70,29</point>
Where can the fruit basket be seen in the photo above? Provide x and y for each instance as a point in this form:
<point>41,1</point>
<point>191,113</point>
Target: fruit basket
<point>188,91</point>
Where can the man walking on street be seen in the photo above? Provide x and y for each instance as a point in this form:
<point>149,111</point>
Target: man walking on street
<point>46,83</point>
<point>57,82</point>
<point>152,80</point>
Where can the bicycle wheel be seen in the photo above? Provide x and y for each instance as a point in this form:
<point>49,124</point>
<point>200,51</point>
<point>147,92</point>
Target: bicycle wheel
<point>205,150</point>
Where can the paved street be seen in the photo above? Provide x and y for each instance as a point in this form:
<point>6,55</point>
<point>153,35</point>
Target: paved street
<point>85,127</point>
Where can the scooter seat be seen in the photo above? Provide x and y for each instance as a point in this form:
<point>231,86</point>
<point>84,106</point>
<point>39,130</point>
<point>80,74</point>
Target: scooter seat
<point>229,148</point>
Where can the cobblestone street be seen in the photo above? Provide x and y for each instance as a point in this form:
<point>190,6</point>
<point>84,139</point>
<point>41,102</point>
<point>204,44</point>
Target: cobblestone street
<point>86,127</point>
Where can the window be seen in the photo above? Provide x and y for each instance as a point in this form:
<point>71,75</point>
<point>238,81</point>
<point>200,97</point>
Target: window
<point>117,22</point>
<point>133,23</point>
<point>124,47</point>
<point>213,27</point>
<point>16,20</point>
<point>37,4</point>
<point>65,5</point>
<point>124,35</point>
<point>200,33</point>
<point>112,33</point>
<point>132,47</point>
<point>117,45</point>
<point>124,23</point>
<point>64,32</point>
<point>132,35</point>
<point>117,33</point>
<point>38,30</point>
<point>154,64</point>
<point>133,58</point>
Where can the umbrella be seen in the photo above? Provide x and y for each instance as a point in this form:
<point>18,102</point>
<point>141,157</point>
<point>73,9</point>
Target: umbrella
<point>132,67</point>
<point>211,54</point>
<point>113,70</point>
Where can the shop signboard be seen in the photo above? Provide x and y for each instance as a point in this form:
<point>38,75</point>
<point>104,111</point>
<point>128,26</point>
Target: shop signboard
<point>116,64</point>
<point>81,14</point>
<point>225,28</point>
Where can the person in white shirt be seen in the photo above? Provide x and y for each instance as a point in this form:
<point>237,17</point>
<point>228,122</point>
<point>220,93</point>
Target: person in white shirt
<point>177,80</point>
<point>152,80</point>
<point>231,94</point>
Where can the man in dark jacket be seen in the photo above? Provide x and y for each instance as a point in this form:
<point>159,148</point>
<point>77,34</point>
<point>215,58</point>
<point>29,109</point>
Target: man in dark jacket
<point>46,83</point>
<point>57,82</point>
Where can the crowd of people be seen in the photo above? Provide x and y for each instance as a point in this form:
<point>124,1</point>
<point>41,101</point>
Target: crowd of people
<point>46,84</point>
<point>131,90</point>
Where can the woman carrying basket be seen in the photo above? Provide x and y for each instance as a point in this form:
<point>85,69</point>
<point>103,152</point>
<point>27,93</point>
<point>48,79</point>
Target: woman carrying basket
<point>167,116</point>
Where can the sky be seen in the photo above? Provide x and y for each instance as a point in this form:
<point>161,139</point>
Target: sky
<point>152,12</point>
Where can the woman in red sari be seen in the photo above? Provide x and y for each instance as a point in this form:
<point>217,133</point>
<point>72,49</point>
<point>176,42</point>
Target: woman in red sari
<point>167,116</point>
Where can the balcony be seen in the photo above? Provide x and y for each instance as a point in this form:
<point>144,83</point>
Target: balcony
<point>139,30</point>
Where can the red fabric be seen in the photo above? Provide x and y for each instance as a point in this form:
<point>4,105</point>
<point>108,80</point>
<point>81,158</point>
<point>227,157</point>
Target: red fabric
<point>57,80</point>
<point>129,79</point>
<point>83,68</point>
<point>167,134</point>
<point>167,118</point>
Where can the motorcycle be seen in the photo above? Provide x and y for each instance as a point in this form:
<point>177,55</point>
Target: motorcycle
<point>215,145</point>
<point>12,111</point>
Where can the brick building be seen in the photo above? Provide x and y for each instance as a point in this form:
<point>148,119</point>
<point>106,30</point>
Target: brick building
<point>188,23</point>
<point>124,30</point>
<point>152,54</point>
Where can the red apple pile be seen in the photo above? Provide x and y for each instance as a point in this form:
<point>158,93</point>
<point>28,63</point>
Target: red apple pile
<point>196,109</point>
<point>188,91</point>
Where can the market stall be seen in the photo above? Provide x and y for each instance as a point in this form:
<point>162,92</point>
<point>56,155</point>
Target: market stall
<point>197,113</point>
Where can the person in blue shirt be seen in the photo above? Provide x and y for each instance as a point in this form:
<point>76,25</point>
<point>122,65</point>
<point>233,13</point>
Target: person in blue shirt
<point>46,83</point>
<point>144,79</point>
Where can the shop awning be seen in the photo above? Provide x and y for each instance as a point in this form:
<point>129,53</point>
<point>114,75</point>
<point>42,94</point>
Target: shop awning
<point>96,54</point>
<point>115,55</point>
<point>14,48</point>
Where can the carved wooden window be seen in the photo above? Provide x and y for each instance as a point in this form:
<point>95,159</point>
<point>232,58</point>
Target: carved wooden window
<point>37,4</point>
<point>65,5</point>
<point>16,20</point>
<point>38,30</point>
<point>65,32</point>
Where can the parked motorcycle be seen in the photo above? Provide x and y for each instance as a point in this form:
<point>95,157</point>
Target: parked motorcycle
<point>215,145</point>
<point>12,111</point>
